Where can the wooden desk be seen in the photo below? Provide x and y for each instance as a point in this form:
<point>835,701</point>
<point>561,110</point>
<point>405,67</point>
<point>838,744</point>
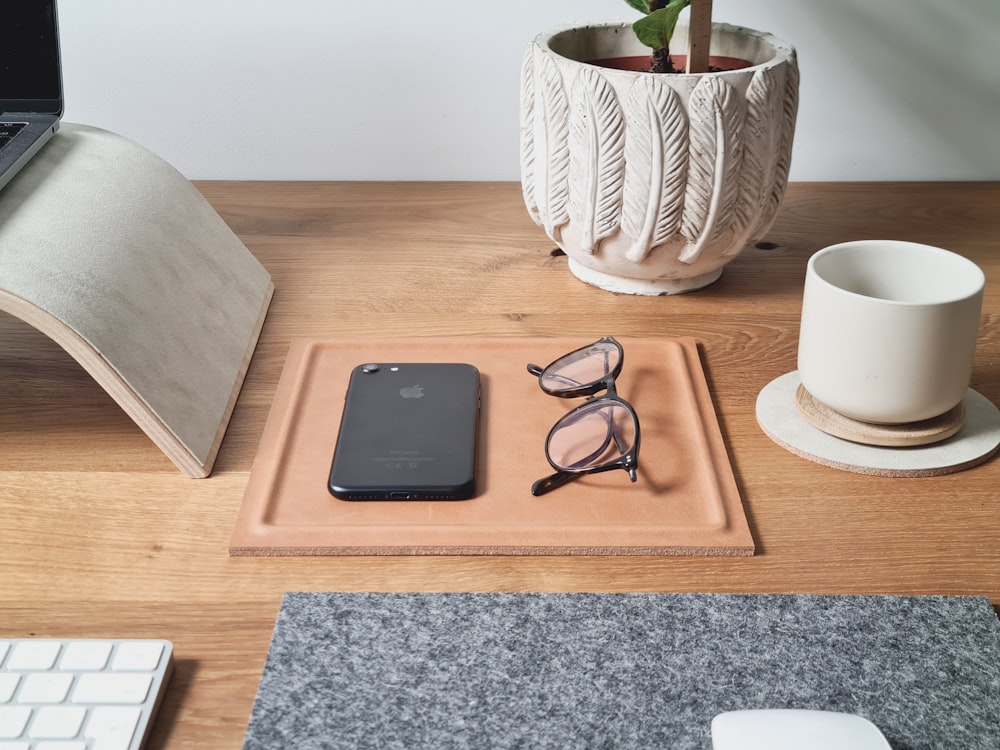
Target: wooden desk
<point>102,536</point>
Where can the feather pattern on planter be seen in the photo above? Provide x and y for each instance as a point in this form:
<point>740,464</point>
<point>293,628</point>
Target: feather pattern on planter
<point>527,110</point>
<point>757,174</point>
<point>607,173</point>
<point>716,114</point>
<point>656,157</point>
<point>597,162</point>
<point>554,186</point>
<point>789,112</point>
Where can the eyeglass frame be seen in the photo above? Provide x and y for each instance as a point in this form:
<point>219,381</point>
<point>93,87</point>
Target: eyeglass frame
<point>629,460</point>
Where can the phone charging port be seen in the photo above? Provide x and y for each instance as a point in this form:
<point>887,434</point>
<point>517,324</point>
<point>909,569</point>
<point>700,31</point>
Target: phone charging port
<point>399,495</point>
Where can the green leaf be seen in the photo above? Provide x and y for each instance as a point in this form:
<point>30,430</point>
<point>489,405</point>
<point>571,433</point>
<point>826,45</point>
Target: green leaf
<point>656,29</point>
<point>640,5</point>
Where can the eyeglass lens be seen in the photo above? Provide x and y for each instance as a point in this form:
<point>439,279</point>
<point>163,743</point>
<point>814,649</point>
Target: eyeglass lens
<point>596,434</point>
<point>582,367</point>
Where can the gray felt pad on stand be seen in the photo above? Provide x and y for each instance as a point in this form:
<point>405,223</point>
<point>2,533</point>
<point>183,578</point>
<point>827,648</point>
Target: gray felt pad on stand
<point>619,670</point>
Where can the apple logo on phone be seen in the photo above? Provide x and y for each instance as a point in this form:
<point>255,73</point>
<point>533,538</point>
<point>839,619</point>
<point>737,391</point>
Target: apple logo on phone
<point>412,391</point>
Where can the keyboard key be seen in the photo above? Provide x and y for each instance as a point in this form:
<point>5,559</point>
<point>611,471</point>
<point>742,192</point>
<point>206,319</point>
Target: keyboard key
<point>13,720</point>
<point>9,129</point>
<point>57,722</point>
<point>45,687</point>
<point>27,656</point>
<point>102,687</point>
<point>143,656</point>
<point>8,684</point>
<point>112,727</point>
<point>84,656</point>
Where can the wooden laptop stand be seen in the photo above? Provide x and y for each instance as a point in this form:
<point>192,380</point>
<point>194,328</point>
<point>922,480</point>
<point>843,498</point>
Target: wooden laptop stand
<point>114,255</point>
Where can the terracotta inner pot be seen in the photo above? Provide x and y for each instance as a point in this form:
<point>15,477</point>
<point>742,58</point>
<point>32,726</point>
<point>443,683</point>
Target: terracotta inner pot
<point>641,62</point>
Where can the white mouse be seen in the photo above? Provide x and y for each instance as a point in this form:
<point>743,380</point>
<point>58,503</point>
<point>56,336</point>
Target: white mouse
<point>794,729</point>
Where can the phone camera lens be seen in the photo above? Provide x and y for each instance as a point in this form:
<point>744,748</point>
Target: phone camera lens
<point>369,368</point>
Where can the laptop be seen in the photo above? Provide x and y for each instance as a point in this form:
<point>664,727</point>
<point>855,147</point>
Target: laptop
<point>31,98</point>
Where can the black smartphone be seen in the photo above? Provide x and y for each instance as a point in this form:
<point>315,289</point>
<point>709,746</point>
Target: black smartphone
<point>408,432</point>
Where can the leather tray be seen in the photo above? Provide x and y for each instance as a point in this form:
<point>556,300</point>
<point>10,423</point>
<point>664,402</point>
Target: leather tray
<point>686,501</point>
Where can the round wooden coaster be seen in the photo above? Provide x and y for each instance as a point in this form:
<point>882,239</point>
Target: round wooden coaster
<point>834,423</point>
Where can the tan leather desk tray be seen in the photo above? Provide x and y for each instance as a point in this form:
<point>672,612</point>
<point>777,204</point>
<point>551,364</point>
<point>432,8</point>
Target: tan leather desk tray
<point>685,503</point>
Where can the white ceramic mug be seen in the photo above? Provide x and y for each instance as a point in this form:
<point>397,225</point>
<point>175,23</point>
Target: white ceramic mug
<point>889,328</point>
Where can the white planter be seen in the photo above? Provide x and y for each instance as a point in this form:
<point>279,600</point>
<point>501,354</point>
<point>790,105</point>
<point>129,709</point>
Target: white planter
<point>652,183</point>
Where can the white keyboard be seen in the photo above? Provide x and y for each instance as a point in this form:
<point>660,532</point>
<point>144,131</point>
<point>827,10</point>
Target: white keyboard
<point>80,694</point>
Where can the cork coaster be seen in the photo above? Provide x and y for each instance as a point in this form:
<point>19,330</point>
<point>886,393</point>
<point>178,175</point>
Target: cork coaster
<point>924,432</point>
<point>975,443</point>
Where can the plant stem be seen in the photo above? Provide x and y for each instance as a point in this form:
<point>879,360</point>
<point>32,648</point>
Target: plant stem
<point>661,62</point>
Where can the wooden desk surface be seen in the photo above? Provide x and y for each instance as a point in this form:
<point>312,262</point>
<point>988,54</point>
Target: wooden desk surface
<point>102,536</point>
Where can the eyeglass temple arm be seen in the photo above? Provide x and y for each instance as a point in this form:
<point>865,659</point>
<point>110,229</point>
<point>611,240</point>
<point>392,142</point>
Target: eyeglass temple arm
<point>552,482</point>
<point>557,480</point>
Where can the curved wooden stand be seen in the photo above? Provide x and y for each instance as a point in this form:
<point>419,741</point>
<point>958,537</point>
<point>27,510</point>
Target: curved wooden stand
<point>114,255</point>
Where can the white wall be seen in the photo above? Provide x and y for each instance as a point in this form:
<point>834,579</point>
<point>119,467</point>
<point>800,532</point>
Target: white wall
<point>428,89</point>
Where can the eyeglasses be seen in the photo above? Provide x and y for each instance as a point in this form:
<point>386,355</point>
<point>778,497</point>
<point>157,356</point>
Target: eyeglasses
<point>600,434</point>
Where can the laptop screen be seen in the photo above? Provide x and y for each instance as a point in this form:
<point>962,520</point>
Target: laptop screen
<point>30,79</point>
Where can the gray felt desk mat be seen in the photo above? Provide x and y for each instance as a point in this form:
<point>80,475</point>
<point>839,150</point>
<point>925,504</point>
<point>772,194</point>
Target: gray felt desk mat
<point>619,670</point>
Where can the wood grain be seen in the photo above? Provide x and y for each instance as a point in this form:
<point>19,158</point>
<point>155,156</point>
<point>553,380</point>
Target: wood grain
<point>699,36</point>
<point>102,536</point>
